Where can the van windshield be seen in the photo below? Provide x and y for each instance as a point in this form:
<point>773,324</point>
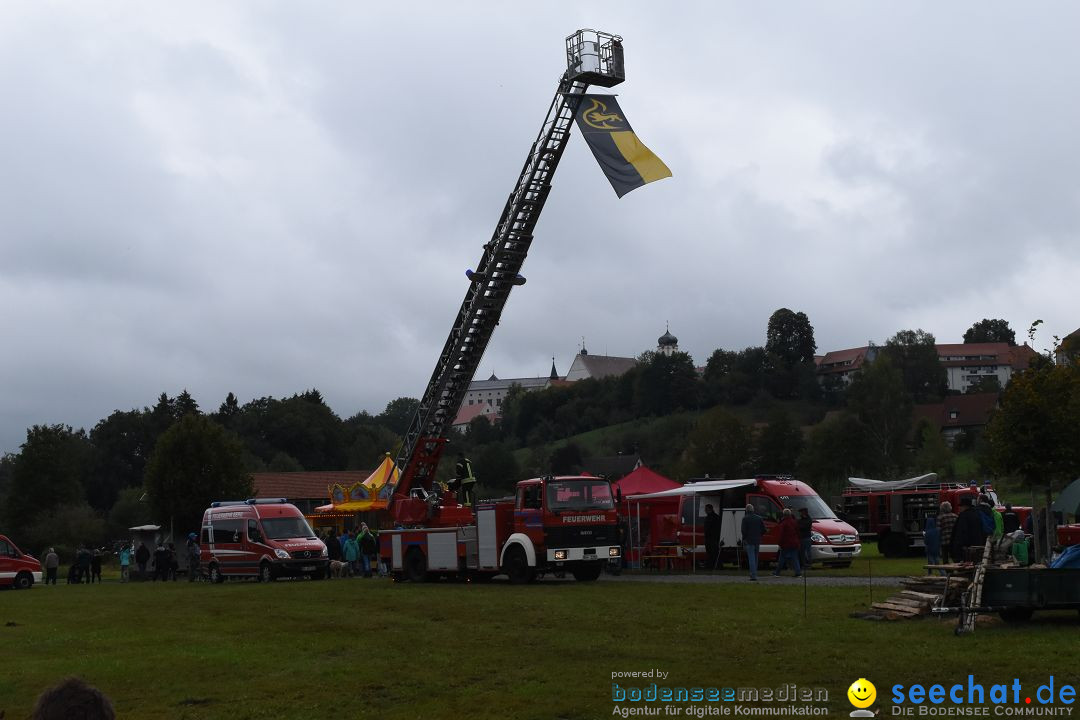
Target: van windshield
<point>815,505</point>
<point>579,495</point>
<point>281,528</point>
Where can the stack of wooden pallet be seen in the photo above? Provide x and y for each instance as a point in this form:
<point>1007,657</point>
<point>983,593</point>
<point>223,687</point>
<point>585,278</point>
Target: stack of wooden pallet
<point>937,584</point>
<point>919,596</point>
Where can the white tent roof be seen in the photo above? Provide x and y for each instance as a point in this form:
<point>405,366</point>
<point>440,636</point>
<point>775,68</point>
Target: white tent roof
<point>145,528</point>
<point>705,486</point>
<point>865,484</point>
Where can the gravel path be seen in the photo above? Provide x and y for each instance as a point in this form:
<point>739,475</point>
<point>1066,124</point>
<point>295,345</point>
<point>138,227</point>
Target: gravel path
<point>765,578</point>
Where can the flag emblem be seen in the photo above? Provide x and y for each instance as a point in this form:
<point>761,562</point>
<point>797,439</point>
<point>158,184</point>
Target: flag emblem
<point>625,160</point>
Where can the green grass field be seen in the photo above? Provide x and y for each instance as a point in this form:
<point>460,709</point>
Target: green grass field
<point>374,649</point>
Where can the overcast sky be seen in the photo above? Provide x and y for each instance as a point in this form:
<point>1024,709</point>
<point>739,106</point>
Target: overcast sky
<point>262,198</point>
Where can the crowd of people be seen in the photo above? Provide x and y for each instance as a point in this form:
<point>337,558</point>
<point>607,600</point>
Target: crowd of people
<point>85,568</point>
<point>354,553</point>
<point>949,535</point>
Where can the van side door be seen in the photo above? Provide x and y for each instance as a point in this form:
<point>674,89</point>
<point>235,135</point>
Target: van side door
<point>229,547</point>
<point>256,547</point>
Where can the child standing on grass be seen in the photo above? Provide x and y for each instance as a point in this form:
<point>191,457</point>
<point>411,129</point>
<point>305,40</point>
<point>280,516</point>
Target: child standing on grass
<point>352,553</point>
<point>125,562</point>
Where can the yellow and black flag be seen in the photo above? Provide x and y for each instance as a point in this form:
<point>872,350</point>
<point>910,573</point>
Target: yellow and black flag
<point>627,163</point>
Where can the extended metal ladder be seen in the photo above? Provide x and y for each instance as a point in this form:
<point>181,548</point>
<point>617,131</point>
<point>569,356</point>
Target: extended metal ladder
<point>495,275</point>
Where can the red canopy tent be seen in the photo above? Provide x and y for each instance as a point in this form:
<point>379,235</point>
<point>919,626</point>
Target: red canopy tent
<point>649,522</point>
<point>643,481</point>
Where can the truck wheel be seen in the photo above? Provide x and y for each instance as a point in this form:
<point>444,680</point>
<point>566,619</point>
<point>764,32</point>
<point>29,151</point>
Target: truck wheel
<point>215,574</point>
<point>1016,614</point>
<point>23,581</point>
<point>587,573</point>
<point>266,573</point>
<point>415,566</point>
<point>517,566</point>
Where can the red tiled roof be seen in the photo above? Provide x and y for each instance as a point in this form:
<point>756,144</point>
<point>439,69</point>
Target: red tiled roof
<point>468,412</point>
<point>970,410</point>
<point>304,485</point>
<point>602,366</point>
<point>980,354</point>
<point>1022,356</point>
<point>842,360</point>
<point>972,354</point>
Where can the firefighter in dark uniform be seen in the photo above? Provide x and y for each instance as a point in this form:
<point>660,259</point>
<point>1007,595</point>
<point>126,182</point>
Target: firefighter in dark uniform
<point>464,480</point>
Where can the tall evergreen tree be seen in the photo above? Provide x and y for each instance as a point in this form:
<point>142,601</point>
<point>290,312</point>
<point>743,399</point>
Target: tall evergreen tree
<point>228,412</point>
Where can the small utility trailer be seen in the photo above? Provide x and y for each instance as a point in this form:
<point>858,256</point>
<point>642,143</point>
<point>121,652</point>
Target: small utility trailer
<point>1016,593</point>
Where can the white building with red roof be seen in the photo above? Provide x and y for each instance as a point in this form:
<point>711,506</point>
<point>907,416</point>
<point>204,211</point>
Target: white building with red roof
<point>843,363</point>
<point>968,363</point>
<point>965,363</point>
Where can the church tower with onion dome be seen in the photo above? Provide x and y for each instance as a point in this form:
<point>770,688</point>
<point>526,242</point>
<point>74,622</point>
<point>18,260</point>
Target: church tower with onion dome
<point>667,343</point>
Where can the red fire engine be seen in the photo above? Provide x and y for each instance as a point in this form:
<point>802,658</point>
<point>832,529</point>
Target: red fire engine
<point>895,511</point>
<point>557,524</point>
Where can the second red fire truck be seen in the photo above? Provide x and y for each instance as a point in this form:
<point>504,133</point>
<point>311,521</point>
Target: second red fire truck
<point>895,511</point>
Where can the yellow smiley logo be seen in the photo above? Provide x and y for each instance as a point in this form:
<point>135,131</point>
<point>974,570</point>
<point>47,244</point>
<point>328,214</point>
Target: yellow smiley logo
<point>862,693</point>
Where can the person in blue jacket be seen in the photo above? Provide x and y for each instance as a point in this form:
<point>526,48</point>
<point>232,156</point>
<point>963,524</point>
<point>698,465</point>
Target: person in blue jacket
<point>352,554</point>
<point>932,540</point>
<point>753,527</point>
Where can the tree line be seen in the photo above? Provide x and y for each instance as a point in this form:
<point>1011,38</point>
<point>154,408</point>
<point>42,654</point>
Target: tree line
<point>165,463</point>
<point>759,409</point>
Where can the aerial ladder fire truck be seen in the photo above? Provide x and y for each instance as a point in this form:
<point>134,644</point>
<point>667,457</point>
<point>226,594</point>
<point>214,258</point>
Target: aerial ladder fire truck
<point>552,524</point>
